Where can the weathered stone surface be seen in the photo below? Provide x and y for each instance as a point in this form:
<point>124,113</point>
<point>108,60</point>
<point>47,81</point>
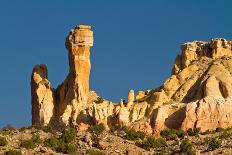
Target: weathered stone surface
<point>42,96</point>
<point>131,98</point>
<point>197,94</point>
<point>208,114</point>
<point>72,94</point>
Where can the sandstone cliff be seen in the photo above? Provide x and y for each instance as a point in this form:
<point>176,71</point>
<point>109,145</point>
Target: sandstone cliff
<point>197,93</point>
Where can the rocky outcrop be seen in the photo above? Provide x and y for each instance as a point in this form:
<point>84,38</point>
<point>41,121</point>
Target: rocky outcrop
<point>197,94</point>
<point>208,114</point>
<point>42,96</point>
<point>72,94</point>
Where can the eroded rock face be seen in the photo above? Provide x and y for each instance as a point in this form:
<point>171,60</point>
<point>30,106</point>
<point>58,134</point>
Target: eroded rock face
<point>42,96</point>
<point>73,92</point>
<point>197,94</point>
<point>208,114</point>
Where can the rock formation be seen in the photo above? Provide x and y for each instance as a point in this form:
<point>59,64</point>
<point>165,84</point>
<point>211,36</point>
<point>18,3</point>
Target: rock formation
<point>198,93</point>
<point>42,96</point>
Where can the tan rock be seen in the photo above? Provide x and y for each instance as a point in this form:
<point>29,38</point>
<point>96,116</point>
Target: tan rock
<point>208,114</point>
<point>140,95</point>
<point>41,96</point>
<point>73,92</point>
<point>102,145</point>
<point>197,94</point>
<point>131,98</point>
<point>123,116</point>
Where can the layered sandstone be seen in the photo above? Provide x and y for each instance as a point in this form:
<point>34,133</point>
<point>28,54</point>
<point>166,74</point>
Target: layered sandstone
<point>197,93</point>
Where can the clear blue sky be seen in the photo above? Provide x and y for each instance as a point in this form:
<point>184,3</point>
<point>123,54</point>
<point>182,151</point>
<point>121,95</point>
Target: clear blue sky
<point>135,43</point>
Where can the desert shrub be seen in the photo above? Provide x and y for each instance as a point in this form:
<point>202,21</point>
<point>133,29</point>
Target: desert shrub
<point>134,135</point>
<point>65,147</point>
<point>68,135</point>
<point>94,152</point>
<point>220,129</point>
<point>208,132</point>
<point>36,139</point>
<point>214,144</point>
<point>152,142</point>
<point>28,144</point>
<point>96,129</point>
<point>172,134</point>
<point>47,128</point>
<point>186,147</point>
<point>12,152</point>
<point>3,141</point>
<point>225,134</point>
<point>193,132</point>
<point>52,142</point>
<point>31,143</point>
<point>61,144</point>
<point>6,132</point>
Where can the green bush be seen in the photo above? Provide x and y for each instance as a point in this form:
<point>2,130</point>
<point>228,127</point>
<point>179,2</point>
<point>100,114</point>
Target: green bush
<point>134,135</point>
<point>220,129</point>
<point>65,147</point>
<point>36,139</point>
<point>52,142</point>
<point>68,135</point>
<point>225,134</point>
<point>152,142</point>
<point>47,128</point>
<point>3,141</point>
<point>31,143</point>
<point>61,144</point>
<point>94,152</point>
<point>96,129</point>
<point>208,132</point>
<point>193,132</point>
<point>186,147</point>
<point>172,134</point>
<point>214,144</point>
<point>12,152</point>
<point>28,144</point>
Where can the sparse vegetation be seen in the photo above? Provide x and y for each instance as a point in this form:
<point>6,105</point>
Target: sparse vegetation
<point>3,141</point>
<point>214,144</point>
<point>152,142</point>
<point>225,134</point>
<point>208,132</point>
<point>47,128</point>
<point>94,152</point>
<point>193,132</point>
<point>63,143</point>
<point>172,134</point>
<point>186,147</point>
<point>13,152</point>
<point>51,142</point>
<point>96,129</point>
<point>68,135</point>
<point>134,135</point>
<point>31,143</point>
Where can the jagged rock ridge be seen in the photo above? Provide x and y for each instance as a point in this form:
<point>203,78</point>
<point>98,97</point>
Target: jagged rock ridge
<point>197,94</point>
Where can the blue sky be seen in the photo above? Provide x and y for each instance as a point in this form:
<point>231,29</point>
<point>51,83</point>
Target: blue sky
<point>135,43</point>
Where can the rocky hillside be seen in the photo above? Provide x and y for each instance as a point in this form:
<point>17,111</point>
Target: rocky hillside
<point>97,141</point>
<point>196,95</point>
